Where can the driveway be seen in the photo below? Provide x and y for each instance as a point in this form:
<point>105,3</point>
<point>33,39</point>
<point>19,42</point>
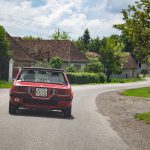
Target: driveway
<point>86,130</point>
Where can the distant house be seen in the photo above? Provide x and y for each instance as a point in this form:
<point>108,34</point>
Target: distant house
<point>20,58</point>
<point>145,66</point>
<point>46,49</point>
<point>129,68</point>
<point>28,52</point>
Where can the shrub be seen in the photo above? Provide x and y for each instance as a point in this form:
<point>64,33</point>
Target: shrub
<point>94,66</point>
<point>71,68</point>
<point>144,72</point>
<point>84,78</point>
<point>56,62</point>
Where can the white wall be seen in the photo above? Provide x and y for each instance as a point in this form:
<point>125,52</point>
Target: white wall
<point>127,73</point>
<point>145,67</point>
<point>11,62</point>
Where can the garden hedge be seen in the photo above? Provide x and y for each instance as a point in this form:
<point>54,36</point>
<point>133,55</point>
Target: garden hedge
<point>84,78</point>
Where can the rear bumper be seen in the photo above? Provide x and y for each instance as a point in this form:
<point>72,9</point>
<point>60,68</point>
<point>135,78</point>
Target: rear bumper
<point>25,100</point>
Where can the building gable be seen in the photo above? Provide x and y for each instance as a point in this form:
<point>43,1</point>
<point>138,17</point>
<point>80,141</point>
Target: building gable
<point>130,62</point>
<point>18,52</point>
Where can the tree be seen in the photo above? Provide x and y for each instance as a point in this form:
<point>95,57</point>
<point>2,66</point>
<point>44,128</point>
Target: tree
<point>83,42</point>
<point>111,56</point>
<point>137,28</point>
<point>4,54</point>
<point>58,35</point>
<point>56,62</point>
<point>31,38</point>
<point>94,66</point>
<point>4,44</point>
<point>128,46</point>
<point>80,45</point>
<point>103,43</point>
<point>86,37</point>
<point>94,45</point>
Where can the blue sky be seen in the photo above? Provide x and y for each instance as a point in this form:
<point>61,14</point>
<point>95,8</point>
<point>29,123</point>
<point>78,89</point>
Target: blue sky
<point>42,17</point>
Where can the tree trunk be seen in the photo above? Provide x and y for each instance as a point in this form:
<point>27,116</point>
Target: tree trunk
<point>108,74</point>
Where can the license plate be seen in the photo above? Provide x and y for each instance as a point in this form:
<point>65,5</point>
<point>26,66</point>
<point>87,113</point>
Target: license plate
<point>41,92</point>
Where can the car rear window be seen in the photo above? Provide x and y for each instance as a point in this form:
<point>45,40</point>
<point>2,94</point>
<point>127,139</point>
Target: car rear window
<point>43,76</point>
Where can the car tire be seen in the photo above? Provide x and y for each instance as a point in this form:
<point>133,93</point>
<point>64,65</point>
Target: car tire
<point>12,108</point>
<point>67,112</point>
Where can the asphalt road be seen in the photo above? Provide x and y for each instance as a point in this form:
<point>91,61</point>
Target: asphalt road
<point>40,130</point>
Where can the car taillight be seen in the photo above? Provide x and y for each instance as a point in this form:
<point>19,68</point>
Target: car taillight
<point>62,92</point>
<point>32,91</point>
<point>20,89</point>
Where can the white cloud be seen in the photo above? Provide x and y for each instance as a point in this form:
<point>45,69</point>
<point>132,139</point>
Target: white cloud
<point>75,23</point>
<point>57,13</point>
<point>115,6</point>
<point>21,18</point>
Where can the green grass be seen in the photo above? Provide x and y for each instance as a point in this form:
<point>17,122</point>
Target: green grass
<point>143,116</point>
<point>117,80</point>
<point>148,75</point>
<point>5,84</point>
<point>140,92</point>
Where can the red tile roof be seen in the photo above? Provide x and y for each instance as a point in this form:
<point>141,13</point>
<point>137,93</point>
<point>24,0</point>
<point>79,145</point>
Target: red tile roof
<point>130,62</point>
<point>18,52</point>
<point>46,49</point>
<point>91,54</point>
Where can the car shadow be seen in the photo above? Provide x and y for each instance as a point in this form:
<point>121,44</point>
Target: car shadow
<point>42,113</point>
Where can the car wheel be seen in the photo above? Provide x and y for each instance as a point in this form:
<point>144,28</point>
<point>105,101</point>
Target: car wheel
<point>12,108</point>
<point>67,112</point>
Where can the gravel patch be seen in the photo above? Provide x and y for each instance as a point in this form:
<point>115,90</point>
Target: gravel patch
<point>121,109</point>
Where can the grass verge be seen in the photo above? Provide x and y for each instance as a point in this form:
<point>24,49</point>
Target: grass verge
<point>117,80</point>
<point>148,75</point>
<point>5,84</point>
<point>143,116</point>
<point>140,92</point>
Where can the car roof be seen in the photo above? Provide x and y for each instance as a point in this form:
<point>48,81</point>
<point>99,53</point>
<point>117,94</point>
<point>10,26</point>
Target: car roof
<point>41,68</point>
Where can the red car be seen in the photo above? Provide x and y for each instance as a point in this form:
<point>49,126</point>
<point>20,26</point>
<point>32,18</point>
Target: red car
<point>41,88</point>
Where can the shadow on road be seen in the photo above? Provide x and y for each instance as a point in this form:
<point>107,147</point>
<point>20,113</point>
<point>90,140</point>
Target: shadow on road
<point>42,113</point>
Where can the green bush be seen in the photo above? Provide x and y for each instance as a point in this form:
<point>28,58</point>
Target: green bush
<point>56,62</point>
<point>71,68</point>
<point>94,66</point>
<point>84,78</point>
<point>144,72</point>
